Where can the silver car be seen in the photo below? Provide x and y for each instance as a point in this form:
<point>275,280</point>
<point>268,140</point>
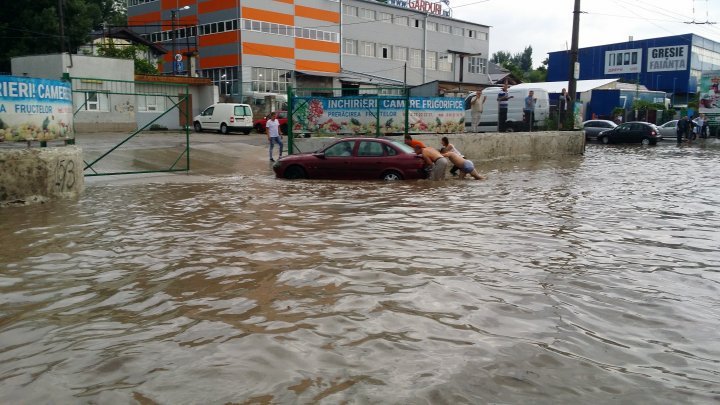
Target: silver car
<point>592,128</point>
<point>668,129</point>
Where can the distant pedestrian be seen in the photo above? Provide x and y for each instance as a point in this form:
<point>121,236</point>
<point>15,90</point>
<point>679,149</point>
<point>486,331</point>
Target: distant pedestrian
<point>476,108</point>
<point>683,125</point>
<point>698,124</point>
<point>529,109</point>
<point>272,130</point>
<point>563,106</point>
<point>502,98</point>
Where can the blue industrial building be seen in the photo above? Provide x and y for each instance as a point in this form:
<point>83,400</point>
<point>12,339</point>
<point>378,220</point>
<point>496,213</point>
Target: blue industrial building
<point>670,64</point>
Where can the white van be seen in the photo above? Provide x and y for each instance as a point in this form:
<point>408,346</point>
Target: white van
<point>489,116</point>
<point>225,117</point>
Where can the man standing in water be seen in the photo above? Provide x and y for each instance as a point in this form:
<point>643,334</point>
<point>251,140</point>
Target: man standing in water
<point>272,129</point>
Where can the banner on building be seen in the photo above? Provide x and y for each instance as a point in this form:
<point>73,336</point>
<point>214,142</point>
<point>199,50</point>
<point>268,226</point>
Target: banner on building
<point>35,109</point>
<point>667,58</point>
<point>710,92</point>
<point>623,61</point>
<point>359,115</point>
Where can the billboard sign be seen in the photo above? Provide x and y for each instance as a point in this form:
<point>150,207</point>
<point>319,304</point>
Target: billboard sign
<point>623,61</point>
<point>710,92</point>
<point>358,115</point>
<point>35,109</point>
<point>667,58</point>
<point>441,7</point>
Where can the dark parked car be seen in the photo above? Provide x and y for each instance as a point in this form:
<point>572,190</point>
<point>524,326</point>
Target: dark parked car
<point>354,158</point>
<point>632,132</point>
<point>259,125</point>
<point>592,128</point>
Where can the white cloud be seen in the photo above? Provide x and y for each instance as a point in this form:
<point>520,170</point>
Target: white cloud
<point>546,25</point>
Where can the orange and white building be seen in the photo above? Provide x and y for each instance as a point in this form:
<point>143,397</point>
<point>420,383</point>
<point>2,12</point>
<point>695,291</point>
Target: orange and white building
<point>269,44</point>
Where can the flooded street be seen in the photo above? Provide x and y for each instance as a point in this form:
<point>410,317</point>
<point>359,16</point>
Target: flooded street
<point>593,280</point>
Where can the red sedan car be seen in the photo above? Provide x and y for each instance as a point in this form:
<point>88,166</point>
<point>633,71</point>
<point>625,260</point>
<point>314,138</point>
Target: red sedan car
<point>354,158</point>
<point>259,125</point>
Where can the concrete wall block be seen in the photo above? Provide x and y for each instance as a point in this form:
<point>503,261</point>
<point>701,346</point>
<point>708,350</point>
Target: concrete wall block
<point>38,174</point>
<point>491,147</point>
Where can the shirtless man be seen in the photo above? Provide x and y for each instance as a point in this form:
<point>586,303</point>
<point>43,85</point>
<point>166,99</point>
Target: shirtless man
<point>466,166</point>
<point>448,147</point>
<point>434,160</point>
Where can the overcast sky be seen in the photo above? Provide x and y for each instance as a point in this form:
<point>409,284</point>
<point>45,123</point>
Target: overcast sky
<point>546,25</point>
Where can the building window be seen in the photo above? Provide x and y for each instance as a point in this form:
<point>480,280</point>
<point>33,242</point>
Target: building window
<point>416,23</point>
<point>401,53</point>
<point>477,65</point>
<point>384,51</point>
<point>267,80</point>
<point>350,46</point>
<point>431,26</point>
<point>366,49</point>
<point>367,14</point>
<point>401,21</point>
<point>431,60</point>
<point>445,29</point>
<point>151,103</point>
<point>445,62</point>
<point>471,33</point>
<point>350,10</point>
<point>385,17</point>
<point>415,58</point>
<point>458,31</point>
<point>92,103</point>
<point>482,36</point>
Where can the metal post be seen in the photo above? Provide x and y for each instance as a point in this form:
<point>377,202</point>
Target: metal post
<point>172,39</point>
<point>572,81</point>
<point>290,113</point>
<point>62,26</point>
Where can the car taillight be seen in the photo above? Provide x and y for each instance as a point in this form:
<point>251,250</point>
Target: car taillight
<point>232,119</point>
<point>653,133</point>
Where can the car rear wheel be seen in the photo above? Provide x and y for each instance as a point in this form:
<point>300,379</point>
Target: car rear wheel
<point>295,172</point>
<point>392,175</point>
<point>224,129</point>
<point>645,141</point>
<point>605,140</point>
<point>198,127</point>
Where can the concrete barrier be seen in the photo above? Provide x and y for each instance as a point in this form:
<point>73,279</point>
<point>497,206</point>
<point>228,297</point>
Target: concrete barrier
<point>491,146</point>
<point>40,174</point>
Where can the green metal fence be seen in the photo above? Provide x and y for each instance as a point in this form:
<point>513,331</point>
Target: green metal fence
<point>106,101</point>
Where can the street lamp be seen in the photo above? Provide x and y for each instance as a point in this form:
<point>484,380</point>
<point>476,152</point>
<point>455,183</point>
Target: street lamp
<point>173,13</point>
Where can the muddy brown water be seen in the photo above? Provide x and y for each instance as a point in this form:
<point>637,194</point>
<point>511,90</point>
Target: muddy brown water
<point>593,280</point>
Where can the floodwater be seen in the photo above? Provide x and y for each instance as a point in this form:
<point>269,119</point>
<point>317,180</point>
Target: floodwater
<point>594,280</point>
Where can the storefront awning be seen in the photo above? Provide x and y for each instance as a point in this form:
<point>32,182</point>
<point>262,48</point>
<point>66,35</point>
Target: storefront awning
<point>317,73</point>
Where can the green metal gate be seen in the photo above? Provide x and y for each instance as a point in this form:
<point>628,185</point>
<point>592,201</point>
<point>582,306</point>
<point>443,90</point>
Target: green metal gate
<point>149,148</point>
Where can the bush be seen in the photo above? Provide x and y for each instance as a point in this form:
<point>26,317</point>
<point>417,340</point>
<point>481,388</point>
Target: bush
<point>158,127</point>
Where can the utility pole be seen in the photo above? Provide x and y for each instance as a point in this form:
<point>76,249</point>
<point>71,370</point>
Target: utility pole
<point>572,80</point>
<point>62,26</point>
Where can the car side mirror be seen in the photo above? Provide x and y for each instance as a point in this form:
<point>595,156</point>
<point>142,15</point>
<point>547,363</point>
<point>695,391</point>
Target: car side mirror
<point>319,155</point>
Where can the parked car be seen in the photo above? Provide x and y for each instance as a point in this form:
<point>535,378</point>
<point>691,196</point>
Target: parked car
<point>259,125</point>
<point>225,117</point>
<point>593,128</point>
<point>354,158</point>
<point>515,121</point>
<point>632,132</point>
<point>669,129</point>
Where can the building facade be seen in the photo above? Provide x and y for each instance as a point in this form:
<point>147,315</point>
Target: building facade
<point>268,45</point>
<point>671,64</point>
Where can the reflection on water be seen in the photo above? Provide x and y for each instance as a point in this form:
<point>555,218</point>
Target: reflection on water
<point>589,281</point>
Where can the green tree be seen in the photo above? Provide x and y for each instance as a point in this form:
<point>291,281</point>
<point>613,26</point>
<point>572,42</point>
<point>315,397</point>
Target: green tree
<point>33,27</point>
<point>134,52</point>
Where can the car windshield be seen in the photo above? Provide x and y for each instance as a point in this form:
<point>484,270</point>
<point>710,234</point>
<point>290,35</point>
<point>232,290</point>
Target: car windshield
<point>403,147</point>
